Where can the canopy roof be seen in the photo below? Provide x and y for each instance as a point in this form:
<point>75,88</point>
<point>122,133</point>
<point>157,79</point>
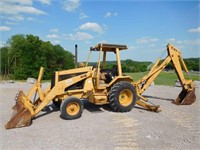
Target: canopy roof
<point>108,47</point>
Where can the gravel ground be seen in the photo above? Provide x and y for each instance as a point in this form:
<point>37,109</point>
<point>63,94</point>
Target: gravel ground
<point>175,127</point>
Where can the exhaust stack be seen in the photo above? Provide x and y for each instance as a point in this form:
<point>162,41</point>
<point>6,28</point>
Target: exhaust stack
<point>76,56</point>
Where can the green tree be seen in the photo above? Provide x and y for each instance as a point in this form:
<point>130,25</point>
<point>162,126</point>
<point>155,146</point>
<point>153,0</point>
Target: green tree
<point>26,53</point>
<point>4,60</point>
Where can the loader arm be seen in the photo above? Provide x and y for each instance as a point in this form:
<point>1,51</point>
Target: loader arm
<point>187,95</point>
<point>25,109</point>
<point>59,89</point>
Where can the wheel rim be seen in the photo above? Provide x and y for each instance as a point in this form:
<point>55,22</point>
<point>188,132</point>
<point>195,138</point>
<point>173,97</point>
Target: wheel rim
<point>125,97</point>
<point>73,108</point>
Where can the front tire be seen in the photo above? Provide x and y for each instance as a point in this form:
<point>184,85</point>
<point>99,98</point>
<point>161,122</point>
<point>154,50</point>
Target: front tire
<point>122,97</point>
<point>71,108</point>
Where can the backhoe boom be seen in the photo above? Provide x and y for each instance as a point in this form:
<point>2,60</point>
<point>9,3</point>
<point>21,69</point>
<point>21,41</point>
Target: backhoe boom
<point>187,95</point>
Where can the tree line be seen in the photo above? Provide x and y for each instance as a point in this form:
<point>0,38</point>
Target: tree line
<point>128,65</point>
<point>134,66</point>
<point>24,54</point>
<point>191,63</point>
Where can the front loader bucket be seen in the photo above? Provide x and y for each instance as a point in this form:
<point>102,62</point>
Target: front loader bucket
<point>185,97</point>
<point>21,116</point>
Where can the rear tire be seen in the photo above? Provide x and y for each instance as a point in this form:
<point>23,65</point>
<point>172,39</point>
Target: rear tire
<point>71,108</point>
<point>122,97</point>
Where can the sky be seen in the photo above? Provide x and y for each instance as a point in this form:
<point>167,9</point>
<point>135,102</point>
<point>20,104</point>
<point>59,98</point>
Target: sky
<point>146,27</point>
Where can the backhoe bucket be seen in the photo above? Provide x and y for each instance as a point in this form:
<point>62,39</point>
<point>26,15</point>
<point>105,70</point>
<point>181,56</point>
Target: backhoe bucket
<point>21,116</point>
<point>185,97</point>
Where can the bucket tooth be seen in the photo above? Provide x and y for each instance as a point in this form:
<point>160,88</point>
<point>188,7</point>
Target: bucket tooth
<point>185,98</point>
<point>21,116</point>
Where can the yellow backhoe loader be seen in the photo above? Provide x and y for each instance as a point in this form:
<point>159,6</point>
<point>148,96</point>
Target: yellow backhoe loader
<point>98,85</point>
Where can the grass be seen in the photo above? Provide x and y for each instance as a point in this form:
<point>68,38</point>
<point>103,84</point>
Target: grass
<point>165,78</point>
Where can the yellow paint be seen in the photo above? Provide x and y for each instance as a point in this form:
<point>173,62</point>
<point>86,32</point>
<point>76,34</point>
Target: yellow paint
<point>125,97</point>
<point>73,108</point>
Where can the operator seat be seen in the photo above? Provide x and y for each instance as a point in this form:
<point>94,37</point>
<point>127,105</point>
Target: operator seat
<point>114,70</point>
<point>111,74</point>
